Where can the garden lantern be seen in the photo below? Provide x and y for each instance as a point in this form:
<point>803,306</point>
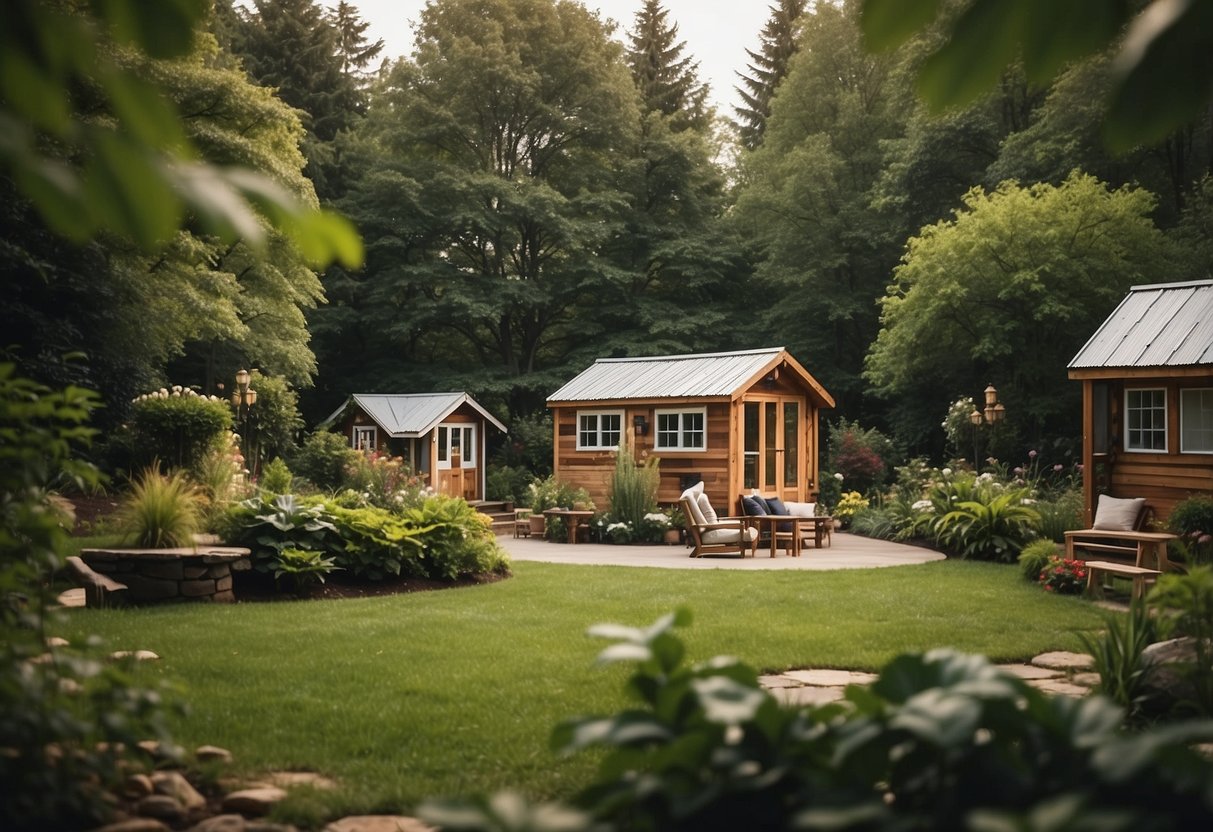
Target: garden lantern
<point>994,413</point>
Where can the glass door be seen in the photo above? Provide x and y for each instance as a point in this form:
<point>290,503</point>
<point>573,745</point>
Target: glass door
<point>772,434</point>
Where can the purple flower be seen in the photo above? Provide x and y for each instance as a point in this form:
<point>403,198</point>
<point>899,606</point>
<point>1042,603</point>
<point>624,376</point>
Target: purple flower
<point>1031,454</point>
<point>1019,471</point>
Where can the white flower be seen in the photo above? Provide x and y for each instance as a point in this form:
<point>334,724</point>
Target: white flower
<point>838,476</point>
<point>615,526</point>
<point>923,505</point>
<point>657,517</point>
<point>947,472</point>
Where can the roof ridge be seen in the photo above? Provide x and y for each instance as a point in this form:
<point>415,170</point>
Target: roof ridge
<point>687,356</point>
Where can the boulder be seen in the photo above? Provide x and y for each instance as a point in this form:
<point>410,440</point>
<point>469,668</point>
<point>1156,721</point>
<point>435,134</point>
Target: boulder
<point>1168,683</point>
<point>253,802</point>
<point>174,784</point>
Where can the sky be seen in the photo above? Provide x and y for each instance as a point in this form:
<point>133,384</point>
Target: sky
<point>716,32</point>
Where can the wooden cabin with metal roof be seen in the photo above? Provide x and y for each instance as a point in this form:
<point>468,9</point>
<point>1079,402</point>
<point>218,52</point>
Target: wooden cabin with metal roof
<point>736,420</point>
<point>1147,382</point>
<point>440,435</point>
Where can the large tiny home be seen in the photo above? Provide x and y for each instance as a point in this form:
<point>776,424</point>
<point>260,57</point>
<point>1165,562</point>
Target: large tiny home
<point>440,435</point>
<point>1147,392</point>
<point>736,420</point>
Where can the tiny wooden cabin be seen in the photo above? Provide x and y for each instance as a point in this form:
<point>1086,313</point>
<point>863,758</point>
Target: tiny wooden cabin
<point>1147,381</point>
<point>736,420</point>
<point>440,435</point>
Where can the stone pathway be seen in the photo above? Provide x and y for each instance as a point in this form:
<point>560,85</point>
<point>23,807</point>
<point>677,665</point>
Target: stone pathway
<point>1067,674</point>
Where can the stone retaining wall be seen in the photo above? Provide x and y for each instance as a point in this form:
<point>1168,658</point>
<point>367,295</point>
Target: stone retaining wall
<point>153,575</point>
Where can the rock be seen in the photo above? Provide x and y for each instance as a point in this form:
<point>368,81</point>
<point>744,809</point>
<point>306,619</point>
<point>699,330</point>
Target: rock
<point>198,589</point>
<point>253,802</point>
<point>1028,672</point>
<point>378,823</point>
<point>1061,687</point>
<point>266,826</point>
<point>69,687</point>
<point>221,823</point>
<point>55,641</point>
<point>207,753</point>
<point>1062,660</point>
<point>1091,680</point>
<point>162,807</point>
<point>772,682</point>
<point>1166,682</point>
<point>137,655</point>
<point>134,825</point>
<point>808,695</point>
<point>831,678</point>
<point>137,786</point>
<point>292,779</point>
<point>175,785</point>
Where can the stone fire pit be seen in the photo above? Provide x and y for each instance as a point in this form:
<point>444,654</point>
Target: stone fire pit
<point>202,573</point>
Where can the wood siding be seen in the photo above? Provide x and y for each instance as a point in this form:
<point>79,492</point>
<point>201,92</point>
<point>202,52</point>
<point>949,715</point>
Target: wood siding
<point>1163,478</point>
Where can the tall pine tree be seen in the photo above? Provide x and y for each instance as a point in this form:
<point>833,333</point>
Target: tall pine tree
<point>767,68</point>
<point>668,82</point>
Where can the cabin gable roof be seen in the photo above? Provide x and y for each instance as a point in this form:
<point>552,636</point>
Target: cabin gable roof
<point>411,415</point>
<point>718,375</point>
<point>1166,325</point>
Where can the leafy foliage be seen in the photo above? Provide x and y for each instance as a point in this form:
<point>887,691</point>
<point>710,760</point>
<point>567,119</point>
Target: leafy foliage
<point>323,459</point>
<point>633,487</point>
<point>995,526</point>
<point>179,427</point>
<point>1065,576</point>
<point>1185,608</point>
<point>940,741</point>
<point>161,511</point>
<point>767,69</point>
<point>458,540</point>
<point>1035,557</point>
<point>276,477</point>
<point>302,568</point>
<point>861,456</point>
<point>1118,657</point>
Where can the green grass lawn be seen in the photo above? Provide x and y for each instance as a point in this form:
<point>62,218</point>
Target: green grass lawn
<point>456,692</point>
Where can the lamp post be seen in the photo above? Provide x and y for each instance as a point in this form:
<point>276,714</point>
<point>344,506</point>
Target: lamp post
<point>243,400</point>
<point>993,413</point>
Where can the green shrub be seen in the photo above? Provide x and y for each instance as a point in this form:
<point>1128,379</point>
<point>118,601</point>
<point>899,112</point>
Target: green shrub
<point>267,525</point>
<point>508,482</point>
<point>458,540</point>
<point>939,741</point>
<point>875,522</point>
<point>1065,576</point>
<point>1184,604</point>
<point>302,568</point>
<point>1035,556</point>
<point>861,456</point>
<point>633,487</point>
<point>376,543</point>
<point>1117,652</point>
<point>179,427</point>
<point>528,446</point>
<point>1192,520</point>
<point>161,511</point>
<point>276,477</point>
<point>1060,514</point>
<point>323,459</point>
<point>993,526</point>
<point>275,416</point>
<point>68,727</point>
<point>553,493</point>
<point>384,481</point>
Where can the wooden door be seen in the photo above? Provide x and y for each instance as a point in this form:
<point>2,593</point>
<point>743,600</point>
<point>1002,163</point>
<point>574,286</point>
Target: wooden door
<point>458,471</point>
<point>774,435</point>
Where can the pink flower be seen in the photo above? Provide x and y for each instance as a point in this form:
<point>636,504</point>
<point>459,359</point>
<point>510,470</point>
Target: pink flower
<point>1031,454</point>
<point>1057,468</point>
<point>1079,467</point>
<point>1019,471</point>
<point>1204,538</point>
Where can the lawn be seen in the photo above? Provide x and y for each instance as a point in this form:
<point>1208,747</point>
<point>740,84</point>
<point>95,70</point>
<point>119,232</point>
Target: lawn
<point>456,692</point>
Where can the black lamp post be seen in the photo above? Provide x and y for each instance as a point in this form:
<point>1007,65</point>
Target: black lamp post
<point>243,400</point>
<point>993,413</point>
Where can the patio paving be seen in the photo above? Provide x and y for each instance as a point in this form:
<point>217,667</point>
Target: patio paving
<point>847,552</point>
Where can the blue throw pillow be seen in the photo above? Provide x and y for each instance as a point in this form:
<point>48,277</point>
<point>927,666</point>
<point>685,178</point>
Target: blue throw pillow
<point>753,506</point>
<point>776,506</point>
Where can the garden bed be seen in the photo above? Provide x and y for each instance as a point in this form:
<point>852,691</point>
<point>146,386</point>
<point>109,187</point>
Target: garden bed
<point>253,587</point>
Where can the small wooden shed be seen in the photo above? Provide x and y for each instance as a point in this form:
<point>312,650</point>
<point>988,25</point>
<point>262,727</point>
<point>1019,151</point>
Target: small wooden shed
<point>440,435</point>
<point>736,420</point>
<point>1147,382</point>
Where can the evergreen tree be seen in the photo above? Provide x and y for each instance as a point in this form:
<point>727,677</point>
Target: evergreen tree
<point>352,46</point>
<point>767,69</point>
<point>668,82</point>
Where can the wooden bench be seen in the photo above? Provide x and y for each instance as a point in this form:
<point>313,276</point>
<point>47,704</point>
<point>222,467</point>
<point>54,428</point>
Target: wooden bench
<point>99,590</point>
<point>1098,569</point>
<point>1146,550</point>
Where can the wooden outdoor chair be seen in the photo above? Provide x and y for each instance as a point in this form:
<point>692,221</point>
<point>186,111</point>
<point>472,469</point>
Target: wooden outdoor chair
<point>726,536</point>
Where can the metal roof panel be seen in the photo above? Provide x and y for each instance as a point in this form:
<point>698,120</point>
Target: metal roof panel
<point>1163,325</point>
<point>702,375</point>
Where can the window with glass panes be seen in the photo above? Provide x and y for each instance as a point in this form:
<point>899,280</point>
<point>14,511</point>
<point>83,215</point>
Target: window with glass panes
<point>599,429</point>
<point>1146,420</point>
<point>681,430</point>
<point>1196,421</point>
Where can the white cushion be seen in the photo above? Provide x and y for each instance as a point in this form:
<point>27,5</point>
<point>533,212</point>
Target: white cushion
<point>705,508</point>
<point>729,535</point>
<point>1115,514</point>
<point>691,495</point>
<point>801,509</point>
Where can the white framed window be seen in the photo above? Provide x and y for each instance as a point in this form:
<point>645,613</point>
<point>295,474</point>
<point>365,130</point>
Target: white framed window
<point>599,430</point>
<point>1146,420</point>
<point>682,430</point>
<point>364,438</point>
<point>457,441</point>
<point>1196,421</point>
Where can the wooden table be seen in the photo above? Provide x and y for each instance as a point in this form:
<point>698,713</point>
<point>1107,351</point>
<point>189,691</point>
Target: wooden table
<point>773,523</point>
<point>572,517</point>
<point>820,525</point>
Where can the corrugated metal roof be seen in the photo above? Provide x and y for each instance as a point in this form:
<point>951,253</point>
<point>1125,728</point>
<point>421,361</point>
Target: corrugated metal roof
<point>409,415</point>
<point>666,376</point>
<point>1160,325</point>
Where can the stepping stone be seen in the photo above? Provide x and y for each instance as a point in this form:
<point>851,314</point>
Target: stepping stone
<point>1061,687</point>
<point>1091,680</point>
<point>134,825</point>
<point>55,641</point>
<point>831,678</point>
<point>221,823</point>
<point>773,682</point>
<point>207,753</point>
<point>1030,673</point>
<point>253,802</point>
<point>161,807</point>
<point>810,695</point>
<point>291,779</point>
<point>138,655</point>
<point>378,823</point>
<point>1062,660</point>
<point>74,598</point>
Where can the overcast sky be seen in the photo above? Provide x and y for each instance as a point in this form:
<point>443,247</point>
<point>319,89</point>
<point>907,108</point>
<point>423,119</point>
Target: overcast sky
<point>716,32</point>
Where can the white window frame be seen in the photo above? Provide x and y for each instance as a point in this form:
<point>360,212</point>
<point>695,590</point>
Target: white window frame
<point>1207,396</point>
<point>599,443</point>
<point>466,460</point>
<point>1166,439</point>
<point>680,413</point>
<point>360,431</point>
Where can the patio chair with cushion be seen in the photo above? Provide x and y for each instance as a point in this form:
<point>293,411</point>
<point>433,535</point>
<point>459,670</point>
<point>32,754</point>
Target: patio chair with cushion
<point>710,534</point>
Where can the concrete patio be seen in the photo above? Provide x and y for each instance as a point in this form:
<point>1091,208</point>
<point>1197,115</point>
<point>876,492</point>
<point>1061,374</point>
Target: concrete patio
<point>847,552</point>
